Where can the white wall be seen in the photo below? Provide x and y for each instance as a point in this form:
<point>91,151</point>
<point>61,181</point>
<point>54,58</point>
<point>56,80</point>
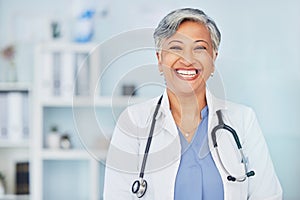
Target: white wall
<point>259,58</point>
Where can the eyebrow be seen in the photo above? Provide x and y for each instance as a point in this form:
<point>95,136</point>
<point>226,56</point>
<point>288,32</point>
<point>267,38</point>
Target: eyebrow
<point>182,42</point>
<point>201,41</point>
<point>175,41</point>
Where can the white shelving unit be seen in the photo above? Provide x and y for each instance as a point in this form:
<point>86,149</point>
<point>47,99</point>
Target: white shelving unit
<point>78,172</point>
<point>75,173</point>
<point>14,149</point>
<point>62,173</point>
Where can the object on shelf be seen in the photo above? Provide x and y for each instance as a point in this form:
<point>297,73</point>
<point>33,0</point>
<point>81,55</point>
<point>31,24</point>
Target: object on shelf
<point>14,112</point>
<point>22,178</point>
<point>53,138</point>
<point>66,74</point>
<point>56,30</point>
<point>84,26</point>
<point>2,184</point>
<point>14,115</point>
<point>25,115</point>
<point>128,90</point>
<point>3,115</point>
<point>65,142</point>
<point>56,73</point>
<point>82,74</point>
<point>83,12</point>
<point>63,70</point>
<point>8,53</point>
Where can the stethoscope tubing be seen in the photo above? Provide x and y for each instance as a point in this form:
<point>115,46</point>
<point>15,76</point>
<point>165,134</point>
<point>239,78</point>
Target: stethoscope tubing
<point>220,126</point>
<point>141,176</point>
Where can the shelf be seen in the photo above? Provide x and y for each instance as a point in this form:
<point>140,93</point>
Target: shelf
<point>90,102</point>
<point>78,154</point>
<point>5,143</point>
<point>14,86</point>
<point>14,197</point>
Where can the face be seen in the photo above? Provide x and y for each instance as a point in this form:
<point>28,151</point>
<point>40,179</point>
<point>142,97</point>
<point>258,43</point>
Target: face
<point>187,58</point>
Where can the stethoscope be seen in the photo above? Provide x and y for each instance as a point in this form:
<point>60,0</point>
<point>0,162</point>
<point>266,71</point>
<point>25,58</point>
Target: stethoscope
<point>139,187</point>
<point>222,125</point>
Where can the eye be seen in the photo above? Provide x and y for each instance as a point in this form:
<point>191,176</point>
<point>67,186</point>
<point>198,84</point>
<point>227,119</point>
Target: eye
<point>197,48</point>
<point>176,48</point>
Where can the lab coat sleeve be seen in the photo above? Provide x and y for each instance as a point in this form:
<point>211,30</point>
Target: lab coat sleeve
<point>122,160</point>
<point>265,184</point>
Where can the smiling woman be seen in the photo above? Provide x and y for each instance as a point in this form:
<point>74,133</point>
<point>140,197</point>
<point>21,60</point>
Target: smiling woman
<point>187,143</point>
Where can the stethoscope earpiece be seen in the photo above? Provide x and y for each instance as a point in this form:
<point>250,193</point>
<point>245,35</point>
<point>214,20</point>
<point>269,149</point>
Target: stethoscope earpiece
<point>231,178</point>
<point>251,173</point>
<point>139,187</point>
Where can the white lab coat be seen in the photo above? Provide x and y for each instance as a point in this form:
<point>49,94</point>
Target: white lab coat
<point>130,138</point>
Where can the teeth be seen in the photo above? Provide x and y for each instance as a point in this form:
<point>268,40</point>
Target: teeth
<point>187,72</point>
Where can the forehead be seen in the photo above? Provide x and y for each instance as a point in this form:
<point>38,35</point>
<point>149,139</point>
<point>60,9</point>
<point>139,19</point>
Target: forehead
<point>192,31</point>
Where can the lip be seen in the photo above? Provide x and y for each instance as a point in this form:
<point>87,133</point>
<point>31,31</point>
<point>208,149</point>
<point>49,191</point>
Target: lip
<point>189,74</point>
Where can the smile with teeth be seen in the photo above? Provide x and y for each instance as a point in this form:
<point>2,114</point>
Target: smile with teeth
<point>187,73</point>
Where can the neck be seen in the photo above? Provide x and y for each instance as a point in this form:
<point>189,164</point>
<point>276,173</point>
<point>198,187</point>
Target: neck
<point>190,104</point>
<point>186,109</point>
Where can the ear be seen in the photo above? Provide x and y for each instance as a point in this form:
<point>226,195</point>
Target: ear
<point>215,55</point>
<point>158,56</point>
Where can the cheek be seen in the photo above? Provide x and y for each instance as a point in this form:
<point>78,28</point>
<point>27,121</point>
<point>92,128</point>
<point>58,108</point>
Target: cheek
<point>168,59</point>
<point>207,62</point>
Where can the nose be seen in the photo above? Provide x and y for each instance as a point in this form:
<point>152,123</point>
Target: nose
<point>186,58</point>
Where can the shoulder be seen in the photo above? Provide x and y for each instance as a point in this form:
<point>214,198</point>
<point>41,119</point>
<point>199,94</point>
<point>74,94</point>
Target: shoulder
<point>228,108</point>
<point>238,109</point>
<point>240,117</point>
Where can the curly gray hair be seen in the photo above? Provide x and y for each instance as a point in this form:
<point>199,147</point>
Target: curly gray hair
<point>170,23</point>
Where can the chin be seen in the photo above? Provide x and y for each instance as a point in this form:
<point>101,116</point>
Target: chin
<point>187,90</point>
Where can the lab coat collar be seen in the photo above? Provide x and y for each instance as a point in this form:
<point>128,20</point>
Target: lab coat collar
<point>213,103</point>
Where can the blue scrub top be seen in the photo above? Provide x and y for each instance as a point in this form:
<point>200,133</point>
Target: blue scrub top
<point>197,176</point>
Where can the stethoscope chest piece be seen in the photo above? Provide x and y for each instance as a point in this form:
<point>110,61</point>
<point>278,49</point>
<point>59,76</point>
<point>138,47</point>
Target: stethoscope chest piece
<point>139,187</point>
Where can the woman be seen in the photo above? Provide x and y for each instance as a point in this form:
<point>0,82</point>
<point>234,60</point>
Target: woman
<point>183,161</point>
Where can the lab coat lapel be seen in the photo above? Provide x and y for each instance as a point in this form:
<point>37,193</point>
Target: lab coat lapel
<point>214,104</point>
<point>166,116</point>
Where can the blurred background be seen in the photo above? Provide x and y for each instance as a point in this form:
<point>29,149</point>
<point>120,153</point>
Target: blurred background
<point>53,53</point>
